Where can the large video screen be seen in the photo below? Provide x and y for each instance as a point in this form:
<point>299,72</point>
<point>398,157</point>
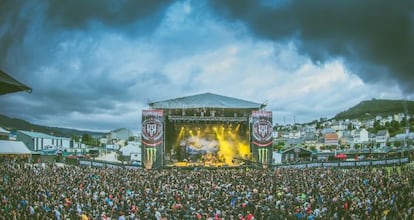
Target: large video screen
<point>211,142</point>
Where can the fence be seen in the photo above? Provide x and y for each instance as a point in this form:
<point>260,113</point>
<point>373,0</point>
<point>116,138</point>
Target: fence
<point>348,164</point>
<point>106,164</point>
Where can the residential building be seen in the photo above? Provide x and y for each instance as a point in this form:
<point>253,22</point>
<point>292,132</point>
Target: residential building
<point>361,136</point>
<point>369,123</point>
<point>328,130</point>
<point>381,137</point>
<point>311,142</point>
<point>399,117</point>
<point>331,139</point>
<point>346,141</point>
<point>338,126</point>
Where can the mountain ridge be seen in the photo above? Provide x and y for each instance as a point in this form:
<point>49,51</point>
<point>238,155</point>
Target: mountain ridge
<point>374,107</point>
<point>363,110</point>
<point>20,124</point>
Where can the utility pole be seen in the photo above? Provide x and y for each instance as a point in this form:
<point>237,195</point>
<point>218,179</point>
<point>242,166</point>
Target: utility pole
<point>407,126</point>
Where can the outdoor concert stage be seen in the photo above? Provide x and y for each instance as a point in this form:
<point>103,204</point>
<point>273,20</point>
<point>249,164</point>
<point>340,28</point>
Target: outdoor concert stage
<point>235,163</point>
<point>205,130</point>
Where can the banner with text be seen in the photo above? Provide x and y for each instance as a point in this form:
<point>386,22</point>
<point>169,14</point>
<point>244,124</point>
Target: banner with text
<point>348,164</point>
<point>152,138</point>
<point>262,136</point>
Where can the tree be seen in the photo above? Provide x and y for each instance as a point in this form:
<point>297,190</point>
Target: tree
<point>86,138</point>
<point>278,146</point>
<point>397,143</point>
<point>75,137</point>
<point>89,140</point>
<point>377,126</point>
<point>318,125</point>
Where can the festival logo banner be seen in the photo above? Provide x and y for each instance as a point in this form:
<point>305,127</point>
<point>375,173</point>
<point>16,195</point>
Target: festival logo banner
<point>262,136</point>
<point>152,136</point>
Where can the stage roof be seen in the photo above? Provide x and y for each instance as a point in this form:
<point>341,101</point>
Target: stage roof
<point>8,84</point>
<point>206,100</point>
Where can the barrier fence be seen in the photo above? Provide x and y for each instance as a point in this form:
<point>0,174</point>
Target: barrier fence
<point>95,163</point>
<point>347,164</point>
<point>337,164</point>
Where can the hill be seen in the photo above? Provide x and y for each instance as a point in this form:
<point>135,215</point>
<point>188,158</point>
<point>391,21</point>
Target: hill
<point>18,124</point>
<point>374,107</point>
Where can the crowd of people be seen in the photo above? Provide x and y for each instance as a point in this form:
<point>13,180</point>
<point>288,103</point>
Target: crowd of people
<point>49,191</point>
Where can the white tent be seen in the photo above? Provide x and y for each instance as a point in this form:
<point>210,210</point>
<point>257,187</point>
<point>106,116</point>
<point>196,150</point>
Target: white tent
<point>13,147</point>
<point>131,148</point>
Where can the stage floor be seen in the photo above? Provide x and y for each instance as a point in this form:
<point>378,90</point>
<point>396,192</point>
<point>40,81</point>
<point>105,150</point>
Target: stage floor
<point>203,164</point>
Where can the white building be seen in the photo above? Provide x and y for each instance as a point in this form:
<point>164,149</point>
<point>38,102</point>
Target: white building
<point>382,137</point>
<point>361,136</point>
<point>120,134</point>
<point>36,141</point>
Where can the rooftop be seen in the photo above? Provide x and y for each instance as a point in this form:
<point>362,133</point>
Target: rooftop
<point>206,100</point>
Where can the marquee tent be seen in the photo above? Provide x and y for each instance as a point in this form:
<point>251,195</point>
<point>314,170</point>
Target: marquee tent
<point>13,148</point>
<point>341,156</point>
<point>9,85</point>
<point>131,148</point>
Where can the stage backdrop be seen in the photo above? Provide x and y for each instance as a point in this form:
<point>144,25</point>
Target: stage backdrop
<point>262,137</point>
<point>152,138</point>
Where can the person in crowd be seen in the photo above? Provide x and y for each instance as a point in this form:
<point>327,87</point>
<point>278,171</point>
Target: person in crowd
<point>88,193</point>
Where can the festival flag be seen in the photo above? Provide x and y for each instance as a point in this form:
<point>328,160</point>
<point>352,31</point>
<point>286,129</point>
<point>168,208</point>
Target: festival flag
<point>152,138</point>
<point>262,136</point>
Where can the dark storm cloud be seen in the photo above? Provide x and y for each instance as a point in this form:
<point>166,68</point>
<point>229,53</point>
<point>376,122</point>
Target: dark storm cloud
<point>375,38</point>
<point>40,41</point>
<point>19,18</point>
<point>113,13</point>
<point>13,25</point>
<point>95,63</point>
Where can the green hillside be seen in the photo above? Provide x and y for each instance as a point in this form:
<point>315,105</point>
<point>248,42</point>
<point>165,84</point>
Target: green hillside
<point>18,124</point>
<point>374,107</point>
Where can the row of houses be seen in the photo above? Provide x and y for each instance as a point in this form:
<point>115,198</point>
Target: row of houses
<point>348,132</point>
<point>330,137</point>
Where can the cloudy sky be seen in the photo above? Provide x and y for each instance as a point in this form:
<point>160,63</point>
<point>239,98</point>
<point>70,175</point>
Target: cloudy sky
<point>95,64</point>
